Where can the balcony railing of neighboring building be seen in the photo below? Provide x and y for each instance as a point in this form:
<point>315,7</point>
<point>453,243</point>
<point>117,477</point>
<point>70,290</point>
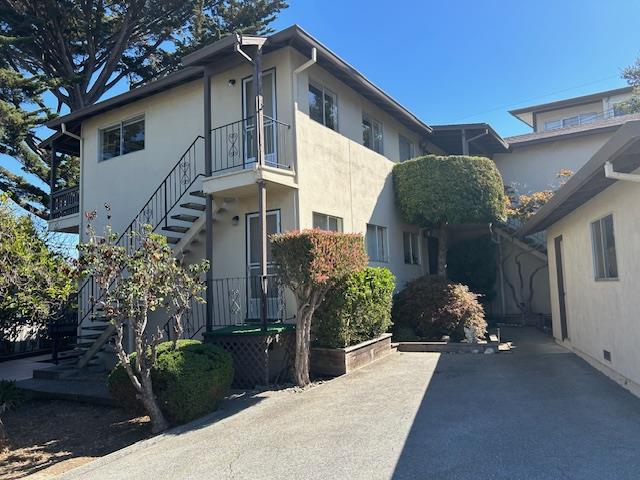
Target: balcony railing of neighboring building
<point>65,202</point>
<point>236,301</point>
<point>234,145</point>
<point>584,119</point>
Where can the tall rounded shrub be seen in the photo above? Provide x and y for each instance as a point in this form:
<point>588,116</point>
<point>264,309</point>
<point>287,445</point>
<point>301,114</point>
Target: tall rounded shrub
<point>356,309</point>
<point>435,191</point>
<point>432,307</point>
<point>189,381</point>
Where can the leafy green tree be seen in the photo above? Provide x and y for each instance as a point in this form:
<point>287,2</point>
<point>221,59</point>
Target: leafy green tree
<point>131,286</point>
<point>437,191</point>
<point>310,263</point>
<point>83,49</point>
<point>35,282</point>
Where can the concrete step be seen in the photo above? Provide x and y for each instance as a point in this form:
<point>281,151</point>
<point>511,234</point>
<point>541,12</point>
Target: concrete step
<point>175,228</point>
<point>198,193</point>
<point>94,392</point>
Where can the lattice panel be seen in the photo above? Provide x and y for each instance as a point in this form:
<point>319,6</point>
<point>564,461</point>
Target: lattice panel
<point>251,357</point>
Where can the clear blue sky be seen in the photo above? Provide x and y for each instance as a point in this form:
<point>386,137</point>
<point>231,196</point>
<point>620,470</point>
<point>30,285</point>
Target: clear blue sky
<point>471,61</point>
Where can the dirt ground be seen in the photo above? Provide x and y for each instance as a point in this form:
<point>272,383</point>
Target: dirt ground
<point>51,437</point>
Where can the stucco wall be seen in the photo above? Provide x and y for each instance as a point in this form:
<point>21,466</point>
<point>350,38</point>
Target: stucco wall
<point>340,177</point>
<point>532,168</point>
<point>601,315</point>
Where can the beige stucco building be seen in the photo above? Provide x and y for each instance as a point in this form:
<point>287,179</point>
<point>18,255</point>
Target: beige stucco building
<point>592,232</point>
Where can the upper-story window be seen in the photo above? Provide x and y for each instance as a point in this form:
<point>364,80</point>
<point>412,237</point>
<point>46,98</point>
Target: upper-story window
<point>581,119</point>
<point>407,149</point>
<point>323,106</point>
<point>372,133</point>
<point>126,137</point>
<point>604,249</point>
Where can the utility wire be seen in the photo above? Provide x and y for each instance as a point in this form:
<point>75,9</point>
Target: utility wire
<point>531,99</point>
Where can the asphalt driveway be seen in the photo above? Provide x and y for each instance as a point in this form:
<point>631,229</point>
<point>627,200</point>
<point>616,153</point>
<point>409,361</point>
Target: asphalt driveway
<point>537,413</point>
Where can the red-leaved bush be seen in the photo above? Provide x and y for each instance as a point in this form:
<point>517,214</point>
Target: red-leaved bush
<point>432,307</point>
<point>310,263</point>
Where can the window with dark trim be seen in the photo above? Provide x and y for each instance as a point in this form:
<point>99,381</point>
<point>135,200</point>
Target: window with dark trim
<point>605,262</point>
<point>411,248</point>
<point>372,133</point>
<point>407,148</point>
<point>323,106</point>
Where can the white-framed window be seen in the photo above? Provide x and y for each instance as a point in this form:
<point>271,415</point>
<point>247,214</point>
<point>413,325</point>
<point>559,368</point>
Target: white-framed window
<point>327,222</point>
<point>123,138</point>
<point>323,105</point>
<point>605,263</point>
<point>377,247</point>
<point>372,133</point>
<point>582,119</point>
<point>411,248</point>
<point>407,148</point>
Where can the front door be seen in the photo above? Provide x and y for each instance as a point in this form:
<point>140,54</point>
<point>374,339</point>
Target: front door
<point>248,111</point>
<point>253,267</point>
<point>561,291</point>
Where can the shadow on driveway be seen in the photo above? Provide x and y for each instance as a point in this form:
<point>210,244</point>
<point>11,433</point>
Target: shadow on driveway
<point>537,413</point>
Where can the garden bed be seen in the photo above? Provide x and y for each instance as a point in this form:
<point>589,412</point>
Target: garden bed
<point>450,347</point>
<point>333,362</point>
<point>51,437</point>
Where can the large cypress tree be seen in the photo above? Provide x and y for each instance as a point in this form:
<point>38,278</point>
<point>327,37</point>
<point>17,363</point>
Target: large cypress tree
<point>77,50</point>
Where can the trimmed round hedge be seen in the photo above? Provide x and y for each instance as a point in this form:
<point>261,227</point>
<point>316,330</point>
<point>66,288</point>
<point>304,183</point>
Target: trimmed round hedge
<point>188,382</point>
<point>431,307</point>
<point>357,309</point>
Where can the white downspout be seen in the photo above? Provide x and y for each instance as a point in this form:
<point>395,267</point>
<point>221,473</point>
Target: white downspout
<point>609,172</point>
<point>294,129</point>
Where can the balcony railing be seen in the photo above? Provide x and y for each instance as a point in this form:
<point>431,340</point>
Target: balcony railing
<point>65,202</point>
<point>236,301</point>
<point>234,145</point>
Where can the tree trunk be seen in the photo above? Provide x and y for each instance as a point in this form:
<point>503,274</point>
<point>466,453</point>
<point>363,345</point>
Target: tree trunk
<point>303,341</point>
<point>442,251</point>
<point>158,422</point>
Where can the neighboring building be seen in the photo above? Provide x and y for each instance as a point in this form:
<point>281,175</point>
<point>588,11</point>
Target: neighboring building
<point>565,135</point>
<point>593,234</point>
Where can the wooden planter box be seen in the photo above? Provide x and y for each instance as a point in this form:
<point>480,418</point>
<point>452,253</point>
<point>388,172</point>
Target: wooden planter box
<point>448,347</point>
<point>333,362</point>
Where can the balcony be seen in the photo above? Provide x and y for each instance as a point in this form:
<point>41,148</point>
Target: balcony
<point>65,208</point>
<point>235,169</point>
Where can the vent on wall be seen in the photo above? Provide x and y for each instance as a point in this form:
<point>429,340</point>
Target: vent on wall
<point>607,355</point>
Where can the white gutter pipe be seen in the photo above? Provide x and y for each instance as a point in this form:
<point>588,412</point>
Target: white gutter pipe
<point>294,92</point>
<point>66,132</point>
<point>609,172</point>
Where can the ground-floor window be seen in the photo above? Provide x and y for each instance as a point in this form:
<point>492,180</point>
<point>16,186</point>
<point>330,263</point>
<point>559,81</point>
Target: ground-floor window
<point>327,222</point>
<point>604,249</point>
<point>377,243</point>
<point>411,248</point>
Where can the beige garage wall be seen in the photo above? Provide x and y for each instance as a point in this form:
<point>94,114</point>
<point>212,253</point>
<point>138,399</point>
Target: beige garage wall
<point>601,315</point>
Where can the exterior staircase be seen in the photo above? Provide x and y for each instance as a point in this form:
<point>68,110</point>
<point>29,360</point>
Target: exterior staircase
<point>535,243</point>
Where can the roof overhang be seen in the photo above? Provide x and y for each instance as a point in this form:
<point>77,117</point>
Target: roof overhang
<point>622,150</point>
<point>67,144</point>
<point>483,140</point>
<point>224,52</point>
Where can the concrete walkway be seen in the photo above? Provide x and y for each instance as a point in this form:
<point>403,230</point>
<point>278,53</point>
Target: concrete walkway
<point>537,413</point>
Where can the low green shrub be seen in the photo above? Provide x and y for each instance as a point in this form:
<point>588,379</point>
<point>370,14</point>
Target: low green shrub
<point>358,308</point>
<point>10,395</point>
<point>189,381</point>
<point>432,307</point>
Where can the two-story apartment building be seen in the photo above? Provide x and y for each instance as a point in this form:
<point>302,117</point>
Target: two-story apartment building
<point>168,152</point>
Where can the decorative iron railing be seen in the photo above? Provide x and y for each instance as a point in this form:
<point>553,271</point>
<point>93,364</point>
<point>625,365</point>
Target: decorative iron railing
<point>236,301</point>
<point>65,202</point>
<point>234,145</point>
<point>155,213</point>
